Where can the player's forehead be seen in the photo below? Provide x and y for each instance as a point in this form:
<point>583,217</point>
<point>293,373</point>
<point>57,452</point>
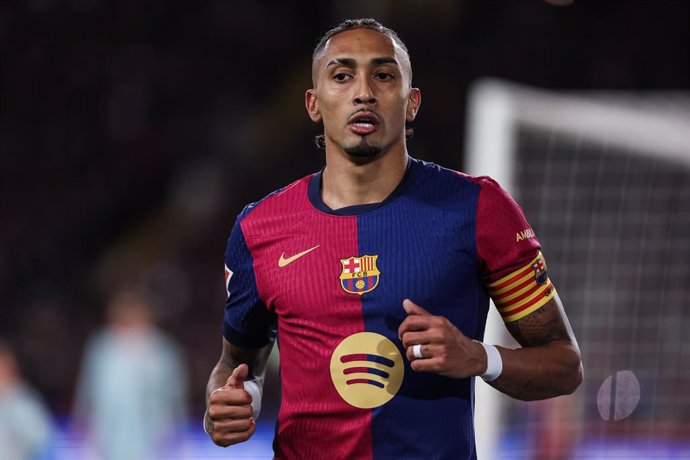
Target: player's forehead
<point>362,45</point>
<point>360,41</point>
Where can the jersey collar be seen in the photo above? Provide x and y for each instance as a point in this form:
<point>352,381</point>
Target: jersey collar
<point>314,192</point>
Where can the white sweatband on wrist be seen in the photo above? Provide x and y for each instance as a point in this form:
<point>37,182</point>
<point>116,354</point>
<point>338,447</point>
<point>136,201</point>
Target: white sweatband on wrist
<point>494,363</point>
<point>255,389</point>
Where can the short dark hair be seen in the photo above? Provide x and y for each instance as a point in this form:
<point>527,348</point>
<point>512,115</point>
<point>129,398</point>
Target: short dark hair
<point>353,24</point>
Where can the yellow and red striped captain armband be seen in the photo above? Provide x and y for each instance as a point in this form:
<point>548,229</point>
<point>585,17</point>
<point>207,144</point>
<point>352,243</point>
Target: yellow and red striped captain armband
<point>523,291</point>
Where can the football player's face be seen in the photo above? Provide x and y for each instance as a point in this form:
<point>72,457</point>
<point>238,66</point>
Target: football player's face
<point>362,93</point>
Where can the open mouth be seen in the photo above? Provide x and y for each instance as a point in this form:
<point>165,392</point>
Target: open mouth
<point>364,123</point>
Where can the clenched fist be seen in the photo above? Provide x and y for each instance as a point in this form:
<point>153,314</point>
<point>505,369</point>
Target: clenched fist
<point>229,419</point>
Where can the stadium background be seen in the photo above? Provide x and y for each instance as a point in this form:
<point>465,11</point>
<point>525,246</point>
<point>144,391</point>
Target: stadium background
<point>131,134</point>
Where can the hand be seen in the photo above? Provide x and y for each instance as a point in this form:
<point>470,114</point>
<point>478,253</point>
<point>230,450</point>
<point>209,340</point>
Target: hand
<point>445,350</point>
<point>229,417</point>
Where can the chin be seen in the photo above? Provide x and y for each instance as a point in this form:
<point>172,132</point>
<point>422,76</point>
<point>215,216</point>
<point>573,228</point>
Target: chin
<point>363,150</point>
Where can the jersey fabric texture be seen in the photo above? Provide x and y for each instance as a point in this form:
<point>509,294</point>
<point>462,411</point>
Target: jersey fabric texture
<point>332,283</point>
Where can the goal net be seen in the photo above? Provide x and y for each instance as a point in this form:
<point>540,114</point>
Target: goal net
<point>604,179</point>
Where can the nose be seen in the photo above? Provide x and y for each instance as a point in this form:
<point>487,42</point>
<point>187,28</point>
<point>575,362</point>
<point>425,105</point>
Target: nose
<point>364,93</point>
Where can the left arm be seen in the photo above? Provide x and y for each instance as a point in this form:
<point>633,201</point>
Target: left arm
<point>547,365</point>
<point>549,362</point>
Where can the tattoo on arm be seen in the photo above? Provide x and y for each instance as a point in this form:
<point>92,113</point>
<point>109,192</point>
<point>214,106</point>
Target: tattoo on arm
<point>545,325</point>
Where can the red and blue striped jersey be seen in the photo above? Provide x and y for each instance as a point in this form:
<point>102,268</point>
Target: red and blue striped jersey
<point>332,284</point>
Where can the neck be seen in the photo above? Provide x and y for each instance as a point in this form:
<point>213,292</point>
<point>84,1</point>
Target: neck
<point>349,183</point>
<point>8,379</point>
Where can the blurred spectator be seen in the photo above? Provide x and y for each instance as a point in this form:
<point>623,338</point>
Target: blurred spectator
<point>132,391</point>
<point>25,424</point>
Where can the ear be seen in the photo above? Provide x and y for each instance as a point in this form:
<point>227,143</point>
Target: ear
<point>413,103</point>
<point>312,105</point>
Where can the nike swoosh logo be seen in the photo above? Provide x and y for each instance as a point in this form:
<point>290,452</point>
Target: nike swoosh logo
<point>285,261</point>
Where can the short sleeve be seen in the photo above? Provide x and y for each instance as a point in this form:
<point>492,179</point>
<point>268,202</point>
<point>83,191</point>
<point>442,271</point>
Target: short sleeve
<point>247,322</point>
<point>511,264</point>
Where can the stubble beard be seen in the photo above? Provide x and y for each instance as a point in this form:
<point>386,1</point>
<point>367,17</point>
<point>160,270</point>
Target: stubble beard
<point>363,150</point>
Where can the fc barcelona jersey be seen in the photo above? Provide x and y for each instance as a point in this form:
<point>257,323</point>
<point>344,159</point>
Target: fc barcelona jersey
<point>332,284</point>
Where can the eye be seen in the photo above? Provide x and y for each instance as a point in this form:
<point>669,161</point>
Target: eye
<point>341,77</point>
<point>383,76</point>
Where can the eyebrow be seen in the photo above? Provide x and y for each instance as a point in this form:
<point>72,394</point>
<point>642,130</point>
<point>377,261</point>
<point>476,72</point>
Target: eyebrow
<point>350,62</point>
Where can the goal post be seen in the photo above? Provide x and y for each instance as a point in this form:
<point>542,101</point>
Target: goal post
<point>604,179</point>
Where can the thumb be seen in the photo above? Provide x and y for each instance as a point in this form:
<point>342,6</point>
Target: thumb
<point>236,379</point>
<point>412,308</point>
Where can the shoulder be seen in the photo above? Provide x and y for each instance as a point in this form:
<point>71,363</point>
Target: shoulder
<point>277,200</point>
<point>26,400</point>
<point>449,188</point>
<point>485,184</point>
<point>276,210</point>
<point>488,191</point>
<point>431,172</point>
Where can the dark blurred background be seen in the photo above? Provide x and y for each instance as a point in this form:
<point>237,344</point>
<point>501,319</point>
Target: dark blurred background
<point>132,133</point>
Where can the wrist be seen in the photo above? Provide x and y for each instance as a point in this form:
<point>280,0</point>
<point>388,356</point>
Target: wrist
<point>255,389</point>
<point>494,363</point>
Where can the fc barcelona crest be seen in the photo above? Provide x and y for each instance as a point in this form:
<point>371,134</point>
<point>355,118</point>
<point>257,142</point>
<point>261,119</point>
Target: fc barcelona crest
<point>540,271</point>
<point>359,274</point>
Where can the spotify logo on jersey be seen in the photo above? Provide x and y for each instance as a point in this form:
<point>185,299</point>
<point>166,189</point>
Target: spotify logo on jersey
<point>367,369</point>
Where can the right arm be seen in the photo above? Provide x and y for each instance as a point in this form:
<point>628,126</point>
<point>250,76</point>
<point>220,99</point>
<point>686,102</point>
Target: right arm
<point>233,392</point>
<point>229,416</point>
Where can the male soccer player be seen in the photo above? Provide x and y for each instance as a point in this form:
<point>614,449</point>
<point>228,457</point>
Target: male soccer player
<point>376,274</point>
